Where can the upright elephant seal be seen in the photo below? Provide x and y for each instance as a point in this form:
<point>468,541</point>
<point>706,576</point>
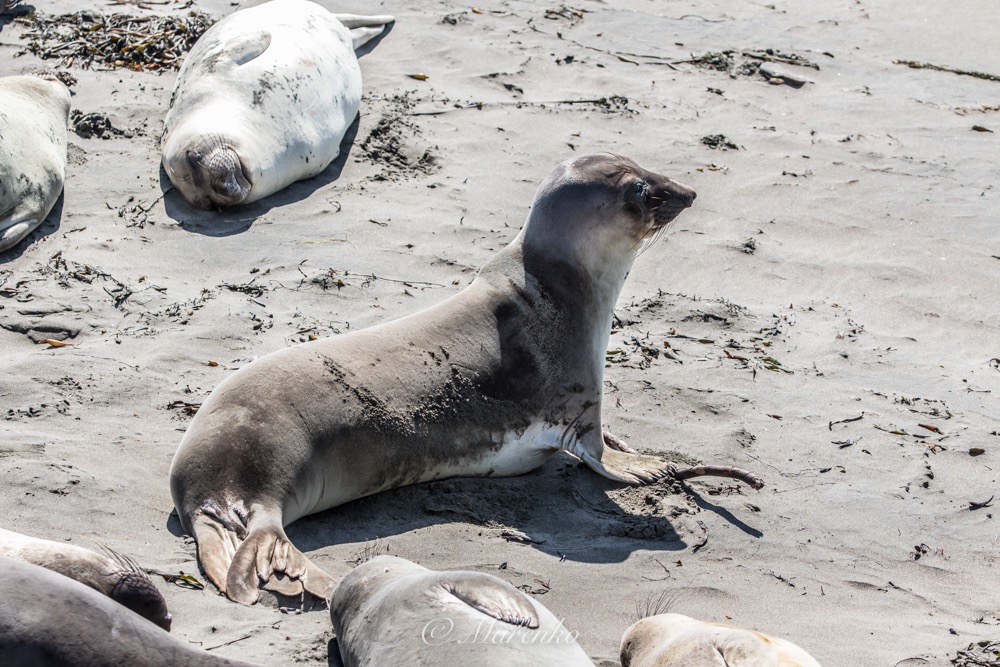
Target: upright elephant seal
<point>389,611</point>
<point>263,100</point>
<point>48,620</point>
<point>675,640</point>
<point>493,381</point>
<point>34,111</point>
<point>110,573</point>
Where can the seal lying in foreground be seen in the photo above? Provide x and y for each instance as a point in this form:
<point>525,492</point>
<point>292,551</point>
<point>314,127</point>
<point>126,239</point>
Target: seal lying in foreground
<point>34,110</point>
<point>48,620</point>
<point>491,382</point>
<point>115,575</point>
<point>263,100</point>
<point>675,640</point>
<point>389,611</point>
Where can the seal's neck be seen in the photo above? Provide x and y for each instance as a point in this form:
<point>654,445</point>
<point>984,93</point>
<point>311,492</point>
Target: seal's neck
<point>588,288</point>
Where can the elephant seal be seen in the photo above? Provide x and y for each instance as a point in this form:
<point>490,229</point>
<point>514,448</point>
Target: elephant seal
<point>263,100</point>
<point>675,640</point>
<point>491,382</point>
<point>34,111</point>
<point>48,620</point>
<point>110,573</point>
<point>389,611</point>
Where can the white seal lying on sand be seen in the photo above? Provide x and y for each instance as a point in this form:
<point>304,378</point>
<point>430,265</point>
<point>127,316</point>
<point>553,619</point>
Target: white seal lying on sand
<point>48,620</point>
<point>115,575</point>
<point>389,611</point>
<point>675,640</point>
<point>263,100</point>
<point>491,382</point>
<point>34,111</point>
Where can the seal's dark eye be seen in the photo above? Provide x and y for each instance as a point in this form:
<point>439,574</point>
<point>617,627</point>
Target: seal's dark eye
<point>639,192</point>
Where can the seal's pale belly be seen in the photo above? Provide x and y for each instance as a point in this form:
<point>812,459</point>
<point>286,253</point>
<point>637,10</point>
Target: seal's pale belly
<point>514,452</point>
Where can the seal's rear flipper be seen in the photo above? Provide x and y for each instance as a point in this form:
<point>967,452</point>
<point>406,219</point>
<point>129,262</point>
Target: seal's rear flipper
<point>493,598</point>
<point>629,468</point>
<point>364,28</point>
<point>316,582</point>
<point>265,552</point>
<point>216,547</point>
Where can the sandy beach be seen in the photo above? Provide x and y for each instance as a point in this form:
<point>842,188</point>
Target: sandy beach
<point>827,316</point>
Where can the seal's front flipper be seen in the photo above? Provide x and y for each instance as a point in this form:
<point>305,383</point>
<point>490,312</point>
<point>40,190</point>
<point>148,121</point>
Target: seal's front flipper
<point>629,468</point>
<point>265,552</point>
<point>244,48</point>
<point>13,232</point>
<point>364,28</point>
<point>493,598</point>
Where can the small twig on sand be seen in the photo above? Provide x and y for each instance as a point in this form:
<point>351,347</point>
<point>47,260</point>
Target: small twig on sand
<point>744,476</point>
<point>913,64</point>
<point>846,421</point>
<point>779,578</point>
<point>973,505</point>
<point>212,648</point>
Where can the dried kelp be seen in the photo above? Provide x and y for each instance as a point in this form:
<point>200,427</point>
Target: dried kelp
<point>90,38</point>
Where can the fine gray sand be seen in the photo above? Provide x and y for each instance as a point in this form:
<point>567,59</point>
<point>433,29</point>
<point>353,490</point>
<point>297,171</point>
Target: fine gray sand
<point>825,316</point>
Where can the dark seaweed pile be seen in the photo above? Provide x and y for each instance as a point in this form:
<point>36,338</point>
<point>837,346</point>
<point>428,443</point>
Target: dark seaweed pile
<point>137,42</point>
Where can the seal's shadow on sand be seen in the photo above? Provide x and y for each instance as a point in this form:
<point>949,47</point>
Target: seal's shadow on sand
<point>333,654</point>
<point>48,227</point>
<point>238,219</point>
<point>12,13</point>
<point>563,509</point>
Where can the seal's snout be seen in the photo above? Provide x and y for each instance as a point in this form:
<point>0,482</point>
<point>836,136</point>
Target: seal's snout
<point>682,193</point>
<point>228,182</point>
<point>669,199</point>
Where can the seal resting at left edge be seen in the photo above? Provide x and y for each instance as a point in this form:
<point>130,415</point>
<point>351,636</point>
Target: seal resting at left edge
<point>389,611</point>
<point>34,111</point>
<point>263,100</point>
<point>676,640</point>
<point>110,573</point>
<point>491,382</point>
<point>48,620</point>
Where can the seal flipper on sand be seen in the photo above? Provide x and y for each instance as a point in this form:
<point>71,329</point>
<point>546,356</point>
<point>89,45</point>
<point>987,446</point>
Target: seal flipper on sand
<point>13,231</point>
<point>266,551</point>
<point>620,466</point>
<point>486,594</point>
<point>364,28</point>
<point>235,559</point>
<point>216,547</point>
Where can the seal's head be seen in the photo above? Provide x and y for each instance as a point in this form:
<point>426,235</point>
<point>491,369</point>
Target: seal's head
<point>133,589</point>
<point>598,212</point>
<point>209,174</point>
